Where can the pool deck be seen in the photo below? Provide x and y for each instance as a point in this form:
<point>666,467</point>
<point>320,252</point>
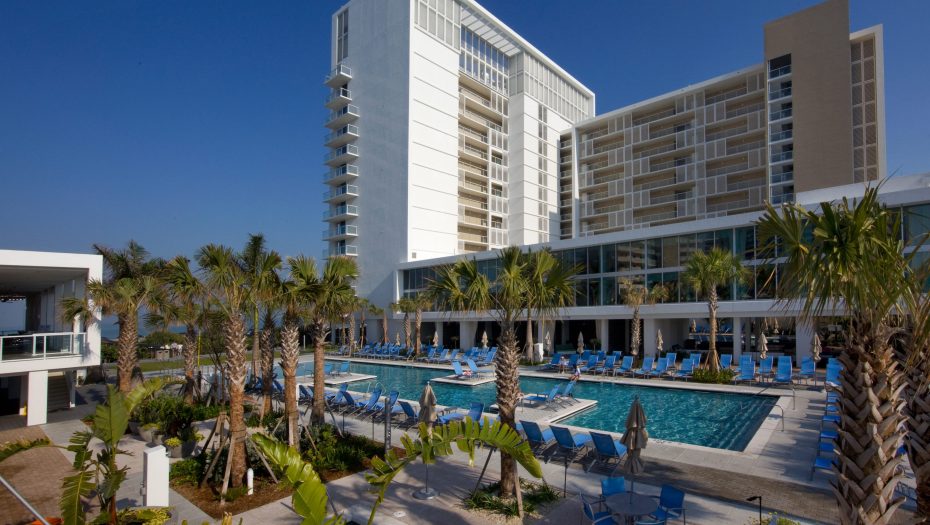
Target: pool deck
<point>340,379</point>
<point>466,381</point>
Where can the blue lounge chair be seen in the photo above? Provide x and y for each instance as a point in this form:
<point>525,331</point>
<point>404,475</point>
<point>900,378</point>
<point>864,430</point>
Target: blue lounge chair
<point>304,395</point>
<point>585,357</point>
<point>607,366</point>
<point>569,444</point>
<point>566,395</point>
<point>672,358</point>
<point>362,407</point>
<point>277,390</point>
<point>646,369</point>
<point>626,366</point>
<point>391,403</point>
<point>457,370</point>
<point>428,356</point>
<point>606,451</point>
<point>344,403</point>
<point>765,366</point>
<point>686,369</point>
<point>784,374</point>
<point>596,517</point>
<point>553,363</point>
<point>671,505</point>
<point>327,369</point>
<point>332,397</point>
<point>695,359</point>
<point>545,398</point>
<point>833,375</point>
<point>591,366</point>
<point>474,413</point>
<point>808,369</point>
<point>449,358</point>
<point>726,360</point>
<point>660,369</point>
<point>343,368</point>
<point>443,356</point>
<point>411,417</point>
<point>489,358</point>
<point>535,436</point>
<point>747,372</point>
<point>475,371</point>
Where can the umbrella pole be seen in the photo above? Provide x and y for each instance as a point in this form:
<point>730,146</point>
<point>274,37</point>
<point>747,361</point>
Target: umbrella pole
<point>485,468</point>
<point>425,492</point>
<point>565,478</point>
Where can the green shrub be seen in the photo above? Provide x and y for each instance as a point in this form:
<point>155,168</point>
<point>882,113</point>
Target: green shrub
<point>705,375</point>
<point>488,498</point>
<point>189,471</point>
<point>139,516</point>
<point>332,453</point>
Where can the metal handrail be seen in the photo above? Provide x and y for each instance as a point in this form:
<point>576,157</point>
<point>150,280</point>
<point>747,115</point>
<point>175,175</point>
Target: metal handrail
<point>23,501</point>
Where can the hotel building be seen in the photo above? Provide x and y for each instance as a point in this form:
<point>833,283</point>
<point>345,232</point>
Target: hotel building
<point>466,116</point>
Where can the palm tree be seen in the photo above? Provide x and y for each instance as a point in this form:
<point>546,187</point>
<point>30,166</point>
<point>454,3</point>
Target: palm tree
<point>363,306</point>
<point>375,311</point>
<point>184,305</point>
<point>846,258</point>
<point>129,286</point>
<point>227,285</point>
<point>261,269</point>
<point>706,272</point>
<point>407,306</point>
<point>544,299</point>
<point>352,306</point>
<point>460,287</point>
<point>267,345</point>
<point>635,295</point>
<point>418,303</point>
<point>327,296</point>
<point>296,295</point>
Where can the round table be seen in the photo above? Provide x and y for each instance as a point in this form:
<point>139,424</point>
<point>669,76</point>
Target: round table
<point>631,505</point>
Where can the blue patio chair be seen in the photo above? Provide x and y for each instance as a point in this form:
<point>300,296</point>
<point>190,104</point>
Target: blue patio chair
<point>601,355</point>
<point>411,417</point>
<point>566,395</point>
<point>591,366</point>
<point>646,368</point>
<point>489,358</point>
<point>607,365</point>
<point>362,407</point>
<point>553,363</point>
<point>784,373</point>
<point>475,371</point>
<point>535,436</point>
<point>726,360</point>
<point>744,358</point>
<point>808,369</point>
<point>331,397</point>
<point>695,359</point>
<point>606,451</point>
<point>544,397</point>
<point>304,396</point>
<point>457,370</point>
<point>277,390</point>
<point>344,368</point>
<point>626,366</point>
<point>585,356</point>
<point>671,504</point>
<point>391,403</point>
<point>569,444</point>
<point>431,354</point>
<point>833,375</point>
<point>344,403</point>
<point>613,485</point>
<point>822,463</point>
<point>686,369</point>
<point>596,517</point>
<point>660,370</point>
<point>572,361</point>
<point>474,413</point>
<point>765,366</point>
<point>747,372</point>
<point>672,360</point>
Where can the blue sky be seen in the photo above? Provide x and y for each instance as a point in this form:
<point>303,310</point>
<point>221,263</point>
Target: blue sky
<point>180,123</point>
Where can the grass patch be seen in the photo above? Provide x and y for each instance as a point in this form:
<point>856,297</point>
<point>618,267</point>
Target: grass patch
<point>723,376</point>
<point>488,498</point>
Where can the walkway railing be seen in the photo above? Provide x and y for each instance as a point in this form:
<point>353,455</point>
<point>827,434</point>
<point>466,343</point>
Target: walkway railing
<point>19,497</point>
<point>42,346</point>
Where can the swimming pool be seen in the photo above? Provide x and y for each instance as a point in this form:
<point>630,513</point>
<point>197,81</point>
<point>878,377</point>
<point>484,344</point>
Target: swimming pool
<point>711,419</point>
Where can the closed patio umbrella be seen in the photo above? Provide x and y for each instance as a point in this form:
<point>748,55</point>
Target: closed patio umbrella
<point>693,327</point>
<point>580,342</point>
<point>658,342</point>
<point>763,346</point>
<point>635,439</point>
<point>427,415</point>
<point>484,339</point>
<point>816,349</point>
<point>435,338</point>
<point>397,338</point>
<point>548,343</point>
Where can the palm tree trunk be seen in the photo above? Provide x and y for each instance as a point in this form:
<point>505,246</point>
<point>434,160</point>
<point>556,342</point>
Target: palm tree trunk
<point>384,328</point>
<point>363,329</point>
<point>870,433</point>
<point>917,412</point>
<point>636,334</point>
<point>352,329</point>
<point>419,340</point>
<point>256,348</point>
<point>267,366</point>
<point>289,353</point>
<point>126,354</point>
<point>508,395</point>
<point>713,361</point>
<point>530,354</point>
<point>317,414</point>
<point>234,335</point>
<point>190,358</point>
<point>407,331</point>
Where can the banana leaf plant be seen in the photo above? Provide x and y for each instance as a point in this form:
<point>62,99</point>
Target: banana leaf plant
<point>97,470</point>
<point>310,498</point>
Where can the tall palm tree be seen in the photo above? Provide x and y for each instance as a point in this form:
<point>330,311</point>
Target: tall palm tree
<point>267,344</point>
<point>406,306</point>
<point>460,287</point>
<point>261,269</point>
<point>375,311</point>
<point>297,294</point>
<point>328,294</point>
<point>352,307</point>
<point>706,272</point>
<point>635,295</point>
<point>544,299</point>
<point>129,285</point>
<point>184,305</point>
<point>227,285</point>
<point>846,258</point>
<point>363,307</point>
<point>418,302</point>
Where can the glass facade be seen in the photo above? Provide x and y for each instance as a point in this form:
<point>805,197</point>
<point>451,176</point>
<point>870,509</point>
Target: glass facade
<point>484,62</point>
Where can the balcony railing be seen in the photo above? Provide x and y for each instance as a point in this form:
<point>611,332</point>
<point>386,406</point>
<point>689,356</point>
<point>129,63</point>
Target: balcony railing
<point>784,176</point>
<point>42,346</point>
<point>346,230</point>
<point>342,116</point>
<point>338,76</point>
<point>742,110</point>
<point>348,249</point>
<point>338,97</point>
<point>340,210</point>
<point>782,156</point>
<point>350,190</point>
<point>780,72</point>
<point>342,172</point>
<point>342,154</point>
<point>780,93</point>
<point>781,135</point>
<point>777,115</point>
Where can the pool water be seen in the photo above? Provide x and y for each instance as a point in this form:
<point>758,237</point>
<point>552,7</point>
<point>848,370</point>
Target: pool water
<point>711,419</point>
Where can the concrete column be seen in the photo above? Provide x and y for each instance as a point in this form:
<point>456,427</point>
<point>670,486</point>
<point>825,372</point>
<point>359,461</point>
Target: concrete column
<point>23,393</point>
<point>650,328</point>
<point>71,381</point>
<point>37,408</point>
<point>737,339</point>
<point>804,333</point>
<point>603,333</point>
<point>467,334</point>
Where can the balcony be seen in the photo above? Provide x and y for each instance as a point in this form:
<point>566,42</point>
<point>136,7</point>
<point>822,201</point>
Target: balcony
<point>473,203</point>
<point>345,231</point>
<point>340,213</point>
<point>345,154</point>
<point>472,154</point>
<point>778,115</point>
<point>42,346</point>
<point>776,94</point>
<point>784,176</point>
<point>743,110</point>
<point>781,135</point>
<point>348,249</point>
<point>782,156</point>
<point>341,136</point>
<point>342,116</point>
<point>341,174</point>
<point>342,194</point>
<point>338,98</point>
<point>780,72</point>
<point>338,76</point>
<point>473,187</point>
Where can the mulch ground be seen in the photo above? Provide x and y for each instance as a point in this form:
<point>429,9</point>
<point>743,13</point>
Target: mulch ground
<point>207,499</point>
<point>35,473</point>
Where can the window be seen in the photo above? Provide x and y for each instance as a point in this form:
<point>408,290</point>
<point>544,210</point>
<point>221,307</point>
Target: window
<point>670,252</point>
<point>608,259</point>
<point>746,243</point>
<point>916,223</point>
<point>342,35</point>
<point>653,254</point>
<point>594,259</point>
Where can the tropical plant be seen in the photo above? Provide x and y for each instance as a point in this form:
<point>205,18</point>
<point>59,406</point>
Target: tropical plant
<point>96,468</point>
<point>268,341</point>
<point>846,258</point>
<point>260,268</point>
<point>296,294</point>
<point>227,286</point>
<point>406,306</point>
<point>917,388</point>
<point>635,295</point>
<point>310,498</point>
<point>706,272</point>
<point>376,311</point>
<point>363,307</point>
<point>542,298</point>
<point>461,287</point>
<point>129,285</point>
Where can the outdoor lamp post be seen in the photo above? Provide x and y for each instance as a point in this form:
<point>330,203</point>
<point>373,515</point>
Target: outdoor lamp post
<point>754,498</point>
